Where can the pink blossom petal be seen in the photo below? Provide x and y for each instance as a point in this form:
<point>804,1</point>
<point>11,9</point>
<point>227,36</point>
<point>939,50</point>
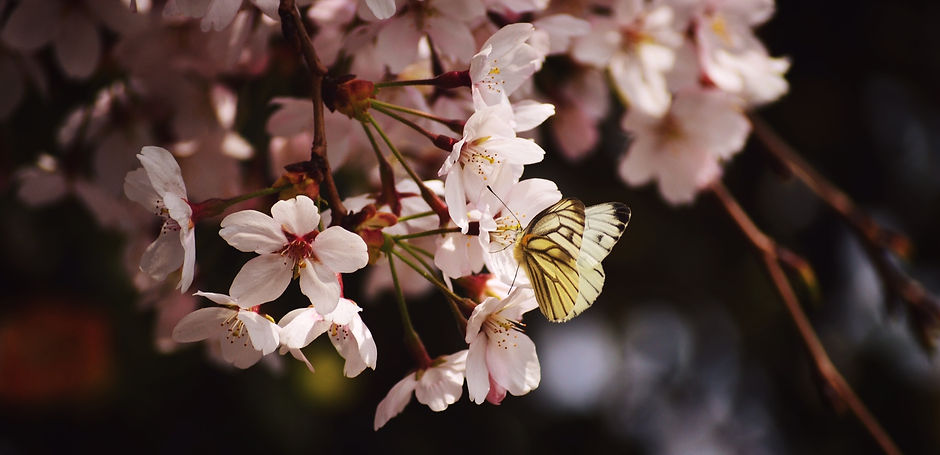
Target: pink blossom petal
<point>382,9</point>
<point>530,114</point>
<point>294,116</point>
<point>261,280</point>
<point>251,230</point>
<point>201,324</point>
<point>320,285</point>
<point>452,37</point>
<point>220,14</point>
<point>298,216</point>
<point>78,45</point>
<point>516,368</point>
<point>32,25</point>
<point>340,250</point>
<point>396,400</point>
<point>263,333</point>
<point>397,43</point>
<point>478,378</point>
<point>163,171</point>
<point>164,256</point>
<point>215,297</point>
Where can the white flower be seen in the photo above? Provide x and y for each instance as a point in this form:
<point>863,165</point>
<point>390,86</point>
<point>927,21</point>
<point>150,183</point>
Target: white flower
<point>382,9</point>
<point>730,56</point>
<point>501,357</point>
<point>350,336</point>
<point>637,46</point>
<point>244,336</point>
<point>489,154</point>
<point>159,187</point>
<point>683,149</point>
<point>445,22</point>
<point>289,244</point>
<point>504,62</point>
<point>437,387</point>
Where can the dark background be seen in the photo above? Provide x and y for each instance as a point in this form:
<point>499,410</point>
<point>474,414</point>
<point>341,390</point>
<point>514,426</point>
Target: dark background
<point>688,350</point>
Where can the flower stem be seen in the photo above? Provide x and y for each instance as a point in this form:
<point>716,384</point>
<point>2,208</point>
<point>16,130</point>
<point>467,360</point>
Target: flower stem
<point>836,384</point>
<point>294,30</point>
<point>443,142</point>
<point>433,201</point>
<point>454,125</point>
<point>389,193</point>
<point>426,233</point>
<point>453,299</point>
<point>411,336</point>
<point>416,216</point>
<point>262,192</point>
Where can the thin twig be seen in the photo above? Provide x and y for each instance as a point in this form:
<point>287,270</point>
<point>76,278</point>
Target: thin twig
<point>294,30</point>
<point>876,240</point>
<point>827,370</point>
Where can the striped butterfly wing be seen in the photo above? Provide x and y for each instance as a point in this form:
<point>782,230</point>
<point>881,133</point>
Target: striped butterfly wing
<point>604,223</point>
<point>548,252</point>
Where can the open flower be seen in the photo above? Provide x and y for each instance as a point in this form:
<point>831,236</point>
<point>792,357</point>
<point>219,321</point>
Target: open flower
<point>289,245</point>
<point>684,149</point>
<point>504,62</point>
<point>489,154</point>
<point>501,357</point>
<point>243,335</point>
<point>350,336</point>
<point>159,187</point>
<point>437,386</point>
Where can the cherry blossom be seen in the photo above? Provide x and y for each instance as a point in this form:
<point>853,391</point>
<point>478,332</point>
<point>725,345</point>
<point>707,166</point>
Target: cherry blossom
<point>349,335</point>
<point>290,244</point>
<point>504,62</point>
<point>243,335</point>
<point>637,46</point>
<point>159,187</point>
<point>684,149</point>
<point>489,154</point>
<point>446,22</point>
<point>501,357</point>
<point>438,386</point>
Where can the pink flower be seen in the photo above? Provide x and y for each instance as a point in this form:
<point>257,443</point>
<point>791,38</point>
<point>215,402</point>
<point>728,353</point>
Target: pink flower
<point>437,387</point>
<point>502,357</point>
<point>684,149</point>
<point>349,335</point>
<point>244,336</point>
<point>290,244</point>
<point>159,187</point>
<point>504,62</point>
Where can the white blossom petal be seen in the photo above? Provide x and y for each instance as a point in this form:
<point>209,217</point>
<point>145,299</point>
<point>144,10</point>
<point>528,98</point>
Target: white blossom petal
<point>261,280</point>
<point>478,377</point>
<point>298,216</point>
<point>201,324</point>
<point>263,332</point>
<point>251,230</point>
<point>320,285</point>
<point>341,250</point>
<point>163,171</point>
<point>395,401</point>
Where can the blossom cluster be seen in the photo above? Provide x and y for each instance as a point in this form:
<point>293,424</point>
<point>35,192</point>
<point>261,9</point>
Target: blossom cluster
<point>686,71</point>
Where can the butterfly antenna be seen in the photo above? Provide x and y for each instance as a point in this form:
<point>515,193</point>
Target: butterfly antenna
<point>514,275</point>
<point>504,205</point>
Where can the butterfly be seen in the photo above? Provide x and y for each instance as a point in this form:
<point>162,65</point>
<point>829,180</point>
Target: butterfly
<point>561,252</point>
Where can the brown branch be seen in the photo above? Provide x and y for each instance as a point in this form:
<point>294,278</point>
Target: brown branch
<point>876,240</point>
<point>294,30</point>
<point>837,385</point>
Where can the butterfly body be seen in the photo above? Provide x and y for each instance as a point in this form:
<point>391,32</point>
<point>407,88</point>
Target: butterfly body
<point>561,252</point>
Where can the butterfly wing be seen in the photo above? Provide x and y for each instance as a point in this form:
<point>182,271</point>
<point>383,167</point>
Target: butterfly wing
<point>603,225</point>
<point>548,252</point>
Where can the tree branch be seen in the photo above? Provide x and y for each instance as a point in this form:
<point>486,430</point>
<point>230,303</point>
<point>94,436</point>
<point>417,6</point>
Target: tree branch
<point>836,384</point>
<point>294,30</point>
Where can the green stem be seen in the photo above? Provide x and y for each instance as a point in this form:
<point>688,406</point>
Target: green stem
<point>411,335</point>
<point>412,251</point>
<point>431,136</point>
<point>382,106</point>
<point>416,216</point>
<point>426,275</point>
<point>426,233</point>
<point>433,201</point>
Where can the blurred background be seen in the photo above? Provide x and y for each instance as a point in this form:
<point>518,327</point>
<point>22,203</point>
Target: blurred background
<point>688,350</point>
